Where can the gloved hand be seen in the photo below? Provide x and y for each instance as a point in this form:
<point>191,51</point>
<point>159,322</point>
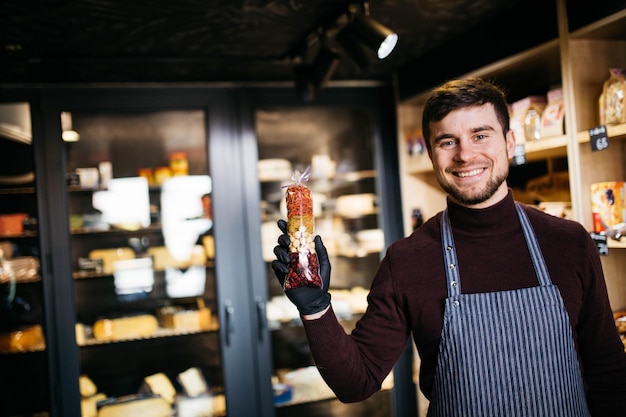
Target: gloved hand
<point>308,300</point>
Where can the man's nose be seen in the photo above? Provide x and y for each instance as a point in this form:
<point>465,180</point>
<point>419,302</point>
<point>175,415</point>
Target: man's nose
<point>464,151</point>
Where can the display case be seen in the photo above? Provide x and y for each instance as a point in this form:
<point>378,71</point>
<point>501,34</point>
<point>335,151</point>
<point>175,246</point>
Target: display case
<point>23,353</point>
<point>335,148</point>
<point>139,189</point>
<point>125,313</point>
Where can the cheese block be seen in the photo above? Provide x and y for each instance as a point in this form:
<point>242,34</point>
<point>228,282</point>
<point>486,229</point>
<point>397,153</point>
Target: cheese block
<point>140,405</point>
<point>193,382</point>
<point>25,339</point>
<point>274,169</point>
<point>132,327</point>
<point>219,405</point>
<point>86,386</point>
<point>160,384</point>
<point>88,405</point>
<point>187,320</point>
<point>201,406</point>
<point>109,256</point>
<point>163,258</point>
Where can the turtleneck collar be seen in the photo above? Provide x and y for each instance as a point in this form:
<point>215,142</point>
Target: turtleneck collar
<point>490,221</point>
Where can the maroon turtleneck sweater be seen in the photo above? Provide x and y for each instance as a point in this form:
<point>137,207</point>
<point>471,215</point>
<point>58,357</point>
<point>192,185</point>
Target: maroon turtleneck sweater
<point>408,291</point>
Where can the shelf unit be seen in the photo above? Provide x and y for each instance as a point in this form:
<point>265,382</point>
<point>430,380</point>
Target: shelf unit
<point>578,61</point>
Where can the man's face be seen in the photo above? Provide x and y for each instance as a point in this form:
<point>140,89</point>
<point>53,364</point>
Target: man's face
<point>470,155</point>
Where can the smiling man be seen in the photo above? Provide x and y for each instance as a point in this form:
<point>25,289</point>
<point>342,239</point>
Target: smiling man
<point>507,305</point>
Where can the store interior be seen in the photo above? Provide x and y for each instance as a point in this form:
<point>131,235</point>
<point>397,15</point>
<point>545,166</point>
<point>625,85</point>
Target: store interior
<point>145,150</point>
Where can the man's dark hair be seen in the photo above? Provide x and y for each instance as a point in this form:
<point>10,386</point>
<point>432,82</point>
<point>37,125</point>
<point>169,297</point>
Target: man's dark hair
<point>459,94</point>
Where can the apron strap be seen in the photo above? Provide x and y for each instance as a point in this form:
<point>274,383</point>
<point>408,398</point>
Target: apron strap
<point>533,247</point>
<point>451,262</point>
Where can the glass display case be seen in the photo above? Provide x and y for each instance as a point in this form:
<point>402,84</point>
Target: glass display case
<point>336,146</point>
<point>139,192</point>
<point>23,355</point>
<point>148,218</point>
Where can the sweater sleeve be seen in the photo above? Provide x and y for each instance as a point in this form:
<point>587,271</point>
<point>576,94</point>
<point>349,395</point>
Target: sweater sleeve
<point>354,365</point>
<point>602,352</point>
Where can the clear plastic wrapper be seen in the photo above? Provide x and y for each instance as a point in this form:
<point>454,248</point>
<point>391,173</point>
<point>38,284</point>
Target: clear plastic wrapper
<point>303,262</point>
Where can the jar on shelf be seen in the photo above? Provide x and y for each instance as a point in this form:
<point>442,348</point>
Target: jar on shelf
<point>526,118</point>
<point>612,105</point>
<point>179,164</point>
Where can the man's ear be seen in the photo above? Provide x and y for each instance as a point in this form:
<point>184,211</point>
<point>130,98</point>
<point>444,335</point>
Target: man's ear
<point>510,143</point>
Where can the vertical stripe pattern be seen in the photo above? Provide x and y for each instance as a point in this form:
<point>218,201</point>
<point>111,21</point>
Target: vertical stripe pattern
<point>508,353</point>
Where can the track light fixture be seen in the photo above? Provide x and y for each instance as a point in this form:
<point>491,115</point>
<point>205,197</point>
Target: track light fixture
<point>358,52</point>
<point>313,77</point>
<point>323,66</point>
<point>358,35</point>
<point>373,34</point>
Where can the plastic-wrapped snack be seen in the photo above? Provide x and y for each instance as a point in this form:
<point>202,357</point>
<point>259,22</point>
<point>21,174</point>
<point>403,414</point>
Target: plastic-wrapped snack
<point>303,265</point>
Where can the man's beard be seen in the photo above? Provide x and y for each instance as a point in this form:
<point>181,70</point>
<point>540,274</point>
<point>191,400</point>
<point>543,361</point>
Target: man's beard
<point>470,200</point>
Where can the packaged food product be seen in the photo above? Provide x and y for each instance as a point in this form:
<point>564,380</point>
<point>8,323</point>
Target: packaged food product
<point>304,265</point>
<point>612,106</point>
<point>608,204</point>
<point>553,116</point>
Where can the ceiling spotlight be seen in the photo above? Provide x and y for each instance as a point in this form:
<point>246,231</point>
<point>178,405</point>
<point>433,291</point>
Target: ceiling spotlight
<point>373,34</point>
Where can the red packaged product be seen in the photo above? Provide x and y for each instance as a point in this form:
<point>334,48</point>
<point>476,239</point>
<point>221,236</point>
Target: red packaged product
<point>303,265</point>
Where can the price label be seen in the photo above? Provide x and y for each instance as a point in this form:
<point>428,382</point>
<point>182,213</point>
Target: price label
<point>598,138</point>
<point>601,243</point>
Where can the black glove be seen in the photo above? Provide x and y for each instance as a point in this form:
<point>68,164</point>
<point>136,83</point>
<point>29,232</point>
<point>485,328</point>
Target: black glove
<point>308,300</point>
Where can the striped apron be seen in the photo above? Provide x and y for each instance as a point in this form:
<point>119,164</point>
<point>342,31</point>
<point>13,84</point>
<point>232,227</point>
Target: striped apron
<point>508,353</point>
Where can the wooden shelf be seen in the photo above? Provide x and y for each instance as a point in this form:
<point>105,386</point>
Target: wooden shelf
<point>614,244</point>
<point>161,332</point>
<point>545,148</point>
<point>614,132</point>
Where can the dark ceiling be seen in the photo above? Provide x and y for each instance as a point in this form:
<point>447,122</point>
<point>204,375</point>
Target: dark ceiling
<point>90,41</point>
